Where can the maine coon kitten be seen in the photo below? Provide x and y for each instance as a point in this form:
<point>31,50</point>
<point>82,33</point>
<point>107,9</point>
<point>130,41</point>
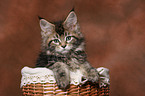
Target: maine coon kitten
<point>63,50</point>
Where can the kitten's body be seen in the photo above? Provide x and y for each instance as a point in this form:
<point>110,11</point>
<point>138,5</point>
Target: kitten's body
<point>63,50</point>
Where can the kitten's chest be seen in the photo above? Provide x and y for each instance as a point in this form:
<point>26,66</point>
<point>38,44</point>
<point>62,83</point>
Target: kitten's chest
<point>73,64</point>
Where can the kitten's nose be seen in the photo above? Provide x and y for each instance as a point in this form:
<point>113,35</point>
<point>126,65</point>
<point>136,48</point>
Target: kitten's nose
<point>63,46</point>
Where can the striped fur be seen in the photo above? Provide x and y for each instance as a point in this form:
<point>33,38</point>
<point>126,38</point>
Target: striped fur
<point>63,50</point>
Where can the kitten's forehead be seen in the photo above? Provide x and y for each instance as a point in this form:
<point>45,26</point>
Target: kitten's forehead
<point>59,29</point>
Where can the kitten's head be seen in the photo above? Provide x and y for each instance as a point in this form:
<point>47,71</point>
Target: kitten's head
<point>61,37</point>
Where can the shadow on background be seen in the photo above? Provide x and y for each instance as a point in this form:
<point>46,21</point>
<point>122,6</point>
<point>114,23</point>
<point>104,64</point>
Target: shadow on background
<point>114,31</point>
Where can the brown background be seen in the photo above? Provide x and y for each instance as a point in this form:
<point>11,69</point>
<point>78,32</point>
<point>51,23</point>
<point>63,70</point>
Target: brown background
<point>114,31</point>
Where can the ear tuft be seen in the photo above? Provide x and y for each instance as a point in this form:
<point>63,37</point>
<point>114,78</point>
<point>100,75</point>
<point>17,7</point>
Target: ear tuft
<point>73,9</point>
<point>40,18</point>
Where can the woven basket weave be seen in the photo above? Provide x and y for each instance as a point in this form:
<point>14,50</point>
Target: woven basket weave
<point>35,84</point>
<point>48,89</point>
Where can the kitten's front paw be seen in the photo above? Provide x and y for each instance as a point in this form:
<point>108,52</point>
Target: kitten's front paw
<point>93,76</point>
<point>63,82</point>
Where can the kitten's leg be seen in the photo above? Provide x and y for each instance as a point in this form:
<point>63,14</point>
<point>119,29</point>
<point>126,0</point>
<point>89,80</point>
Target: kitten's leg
<point>61,74</point>
<point>89,72</point>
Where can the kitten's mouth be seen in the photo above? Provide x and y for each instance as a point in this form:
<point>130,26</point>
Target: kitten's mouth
<point>64,51</point>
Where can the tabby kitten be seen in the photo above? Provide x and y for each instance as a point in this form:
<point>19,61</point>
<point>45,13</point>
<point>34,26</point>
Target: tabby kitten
<point>63,50</point>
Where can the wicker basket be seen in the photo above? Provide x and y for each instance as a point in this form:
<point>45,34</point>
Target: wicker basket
<point>51,89</point>
<point>47,89</point>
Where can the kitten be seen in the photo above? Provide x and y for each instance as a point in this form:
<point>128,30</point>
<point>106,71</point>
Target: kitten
<point>63,50</point>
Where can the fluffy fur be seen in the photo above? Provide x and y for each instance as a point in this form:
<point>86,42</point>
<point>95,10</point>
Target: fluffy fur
<point>63,50</point>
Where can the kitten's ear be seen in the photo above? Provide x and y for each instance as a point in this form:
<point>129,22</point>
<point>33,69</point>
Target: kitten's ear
<point>46,27</point>
<point>71,20</point>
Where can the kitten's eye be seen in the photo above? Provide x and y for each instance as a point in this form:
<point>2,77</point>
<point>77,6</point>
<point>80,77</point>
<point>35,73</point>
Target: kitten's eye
<point>56,41</point>
<point>68,38</point>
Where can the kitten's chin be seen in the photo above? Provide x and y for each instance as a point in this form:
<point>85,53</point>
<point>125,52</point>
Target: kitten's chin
<point>57,52</point>
<point>64,52</point>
